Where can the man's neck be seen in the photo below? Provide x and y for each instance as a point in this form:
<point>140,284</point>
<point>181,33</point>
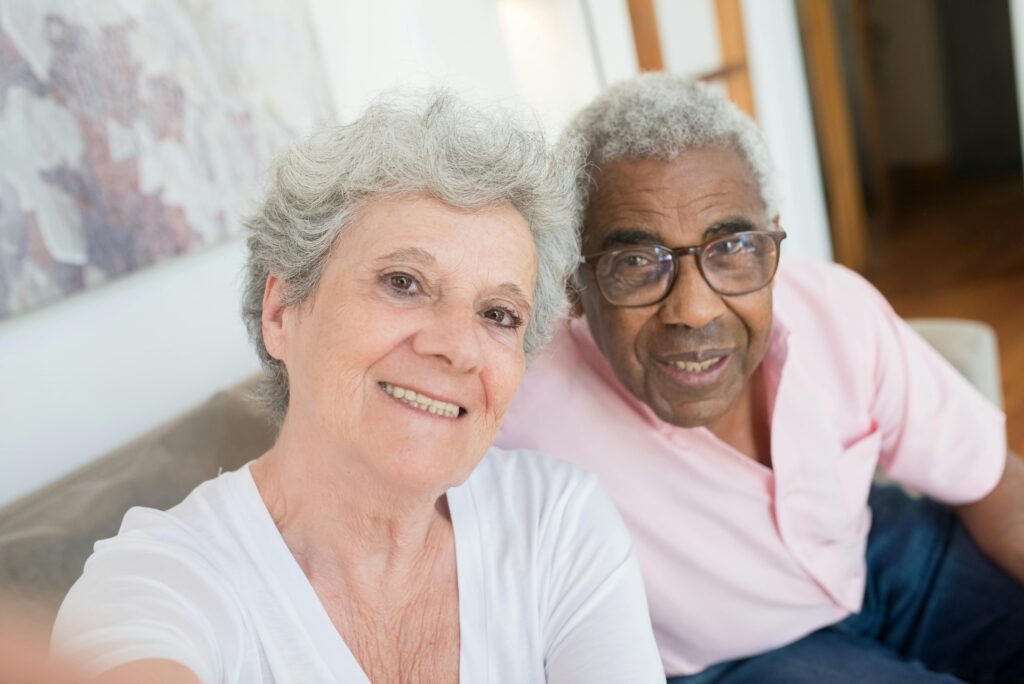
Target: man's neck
<point>746,426</point>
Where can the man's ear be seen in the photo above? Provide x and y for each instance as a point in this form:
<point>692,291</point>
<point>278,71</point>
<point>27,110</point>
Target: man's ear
<point>575,301</point>
<point>274,335</point>
<point>778,226</point>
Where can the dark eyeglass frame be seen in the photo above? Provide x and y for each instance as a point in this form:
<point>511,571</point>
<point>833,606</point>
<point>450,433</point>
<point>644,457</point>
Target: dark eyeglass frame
<point>677,253</point>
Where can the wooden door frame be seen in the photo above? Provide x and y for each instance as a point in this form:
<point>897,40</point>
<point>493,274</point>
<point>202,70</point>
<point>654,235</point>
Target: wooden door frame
<point>840,167</point>
<point>734,72</point>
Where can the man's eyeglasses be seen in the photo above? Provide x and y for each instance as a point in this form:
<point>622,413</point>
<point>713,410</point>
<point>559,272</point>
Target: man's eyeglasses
<point>642,275</point>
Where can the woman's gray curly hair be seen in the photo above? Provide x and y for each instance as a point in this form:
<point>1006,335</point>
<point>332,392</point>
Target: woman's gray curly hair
<point>661,116</point>
<point>421,143</point>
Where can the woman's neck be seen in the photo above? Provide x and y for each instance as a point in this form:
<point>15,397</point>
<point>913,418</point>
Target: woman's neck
<point>343,525</point>
<point>382,562</point>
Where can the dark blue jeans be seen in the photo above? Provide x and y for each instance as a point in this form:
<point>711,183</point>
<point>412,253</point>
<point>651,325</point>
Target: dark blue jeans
<point>935,610</point>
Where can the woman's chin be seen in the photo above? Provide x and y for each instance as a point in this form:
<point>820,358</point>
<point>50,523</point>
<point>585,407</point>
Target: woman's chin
<point>429,471</point>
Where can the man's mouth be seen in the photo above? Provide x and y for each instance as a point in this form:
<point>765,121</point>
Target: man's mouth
<point>697,366</point>
<point>422,402</point>
<point>696,369</point>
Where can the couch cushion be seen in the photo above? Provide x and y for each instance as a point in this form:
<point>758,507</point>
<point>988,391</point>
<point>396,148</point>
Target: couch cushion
<point>46,536</point>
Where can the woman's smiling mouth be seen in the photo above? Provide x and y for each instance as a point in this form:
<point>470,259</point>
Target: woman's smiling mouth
<point>422,402</point>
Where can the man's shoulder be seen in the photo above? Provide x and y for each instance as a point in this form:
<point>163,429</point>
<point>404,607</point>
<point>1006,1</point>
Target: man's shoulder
<point>816,293</point>
<point>818,279</point>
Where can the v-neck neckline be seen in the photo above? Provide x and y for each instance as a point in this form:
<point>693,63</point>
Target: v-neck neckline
<point>328,641</point>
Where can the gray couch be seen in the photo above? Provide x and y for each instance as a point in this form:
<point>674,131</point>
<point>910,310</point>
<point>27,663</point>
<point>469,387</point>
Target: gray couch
<point>46,536</point>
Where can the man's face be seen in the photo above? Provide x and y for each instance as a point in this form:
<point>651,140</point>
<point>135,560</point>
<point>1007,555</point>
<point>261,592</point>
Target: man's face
<point>689,356</point>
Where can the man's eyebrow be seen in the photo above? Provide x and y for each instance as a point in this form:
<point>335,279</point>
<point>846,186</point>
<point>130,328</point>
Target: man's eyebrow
<point>729,226</point>
<point>409,254</point>
<point>630,236</point>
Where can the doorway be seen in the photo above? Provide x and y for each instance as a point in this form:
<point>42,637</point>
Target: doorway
<point>932,103</point>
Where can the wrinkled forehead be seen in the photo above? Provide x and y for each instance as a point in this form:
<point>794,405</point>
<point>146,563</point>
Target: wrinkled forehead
<point>483,244</point>
<point>681,198</point>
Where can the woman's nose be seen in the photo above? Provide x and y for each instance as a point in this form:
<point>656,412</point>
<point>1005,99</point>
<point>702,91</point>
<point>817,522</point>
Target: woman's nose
<point>451,333</point>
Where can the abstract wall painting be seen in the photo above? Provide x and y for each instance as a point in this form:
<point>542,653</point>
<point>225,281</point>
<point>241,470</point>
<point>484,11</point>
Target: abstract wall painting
<point>135,131</point>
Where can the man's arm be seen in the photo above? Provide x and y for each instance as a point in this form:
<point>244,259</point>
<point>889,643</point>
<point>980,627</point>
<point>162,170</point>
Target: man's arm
<point>996,522</point>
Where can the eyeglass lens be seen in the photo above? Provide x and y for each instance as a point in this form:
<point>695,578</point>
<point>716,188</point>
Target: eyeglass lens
<point>733,264</point>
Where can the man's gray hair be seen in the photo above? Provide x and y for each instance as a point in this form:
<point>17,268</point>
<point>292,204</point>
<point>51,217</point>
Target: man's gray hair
<point>661,116</point>
<point>418,143</point>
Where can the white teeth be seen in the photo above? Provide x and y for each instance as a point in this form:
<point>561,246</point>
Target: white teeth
<point>695,366</point>
<point>421,401</point>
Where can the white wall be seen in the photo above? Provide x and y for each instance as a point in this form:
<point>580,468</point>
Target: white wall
<point>82,376</point>
<point>689,36</point>
<point>1017,28</point>
<point>564,52</point>
<point>551,54</point>
<point>372,46</point>
<point>612,32</point>
<point>784,113</point>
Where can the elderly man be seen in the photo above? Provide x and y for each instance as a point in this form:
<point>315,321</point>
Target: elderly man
<point>738,415</point>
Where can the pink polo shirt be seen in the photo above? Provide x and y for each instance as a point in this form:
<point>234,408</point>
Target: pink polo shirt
<point>738,558</point>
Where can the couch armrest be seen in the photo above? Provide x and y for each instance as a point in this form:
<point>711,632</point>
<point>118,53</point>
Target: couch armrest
<point>970,346</point>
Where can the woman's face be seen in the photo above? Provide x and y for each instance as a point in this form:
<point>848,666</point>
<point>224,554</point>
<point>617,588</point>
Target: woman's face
<point>402,363</point>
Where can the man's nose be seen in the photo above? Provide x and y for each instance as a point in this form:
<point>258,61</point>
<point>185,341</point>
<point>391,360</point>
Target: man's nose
<point>691,302</point>
<point>451,333</point>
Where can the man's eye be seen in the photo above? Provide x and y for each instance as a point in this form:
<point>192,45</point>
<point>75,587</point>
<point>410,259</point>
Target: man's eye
<point>731,246</point>
<point>633,260</point>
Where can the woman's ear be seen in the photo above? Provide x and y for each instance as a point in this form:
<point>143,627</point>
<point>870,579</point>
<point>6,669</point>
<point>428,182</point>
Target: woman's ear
<point>274,334</point>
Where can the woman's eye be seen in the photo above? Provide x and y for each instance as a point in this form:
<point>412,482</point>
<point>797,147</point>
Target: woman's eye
<point>402,283</point>
<point>503,317</point>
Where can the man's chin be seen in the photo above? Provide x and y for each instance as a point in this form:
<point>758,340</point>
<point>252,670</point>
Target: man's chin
<point>690,419</point>
<point>693,408</point>
<point>692,414</point>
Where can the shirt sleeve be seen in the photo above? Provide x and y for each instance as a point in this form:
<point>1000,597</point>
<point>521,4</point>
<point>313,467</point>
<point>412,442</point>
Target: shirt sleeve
<point>597,625</point>
<point>141,598</point>
<point>939,434</point>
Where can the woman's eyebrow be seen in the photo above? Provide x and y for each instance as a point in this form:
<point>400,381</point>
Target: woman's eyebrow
<point>515,293</point>
<point>416,254</point>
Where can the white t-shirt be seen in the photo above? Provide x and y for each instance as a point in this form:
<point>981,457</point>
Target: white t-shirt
<point>549,589</point>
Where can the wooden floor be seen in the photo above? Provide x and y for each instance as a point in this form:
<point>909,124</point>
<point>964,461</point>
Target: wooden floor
<point>960,253</point>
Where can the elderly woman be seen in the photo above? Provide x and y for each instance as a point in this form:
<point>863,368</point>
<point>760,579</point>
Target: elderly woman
<point>402,270</point>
